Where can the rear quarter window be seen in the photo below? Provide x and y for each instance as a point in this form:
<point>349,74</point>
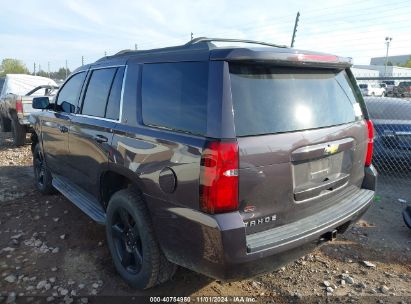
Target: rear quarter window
<point>270,99</point>
<point>174,96</point>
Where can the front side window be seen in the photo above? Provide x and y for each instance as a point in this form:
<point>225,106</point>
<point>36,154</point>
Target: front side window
<point>97,93</point>
<point>174,96</point>
<point>68,97</point>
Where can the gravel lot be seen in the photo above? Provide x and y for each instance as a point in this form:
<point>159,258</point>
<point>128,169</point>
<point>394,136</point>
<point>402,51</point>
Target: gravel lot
<point>50,251</point>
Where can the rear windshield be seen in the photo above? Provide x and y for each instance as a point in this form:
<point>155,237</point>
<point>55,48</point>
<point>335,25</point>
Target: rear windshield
<point>282,99</point>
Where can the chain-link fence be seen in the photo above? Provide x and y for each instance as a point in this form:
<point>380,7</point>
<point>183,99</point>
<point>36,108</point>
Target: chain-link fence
<point>389,104</point>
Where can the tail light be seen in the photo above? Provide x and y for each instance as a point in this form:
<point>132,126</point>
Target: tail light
<point>219,177</point>
<point>19,106</point>
<point>370,145</point>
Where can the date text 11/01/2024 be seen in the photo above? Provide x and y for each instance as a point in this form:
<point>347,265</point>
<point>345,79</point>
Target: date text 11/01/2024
<point>204,299</point>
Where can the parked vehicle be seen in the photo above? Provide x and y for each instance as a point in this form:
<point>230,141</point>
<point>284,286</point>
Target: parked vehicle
<point>372,89</point>
<point>230,161</point>
<point>406,214</point>
<point>389,86</point>
<point>403,89</point>
<point>2,82</point>
<point>16,99</point>
<point>392,123</point>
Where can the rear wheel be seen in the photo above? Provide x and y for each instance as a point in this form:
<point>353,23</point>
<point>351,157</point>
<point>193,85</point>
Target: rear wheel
<point>132,243</point>
<point>19,132</point>
<point>42,175</point>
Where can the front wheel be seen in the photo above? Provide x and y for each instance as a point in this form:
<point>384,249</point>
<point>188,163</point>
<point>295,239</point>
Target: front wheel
<point>132,243</point>
<point>42,175</point>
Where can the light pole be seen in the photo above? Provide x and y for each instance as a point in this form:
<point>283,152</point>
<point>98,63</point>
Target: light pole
<point>387,42</point>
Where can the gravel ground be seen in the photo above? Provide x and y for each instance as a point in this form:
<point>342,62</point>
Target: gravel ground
<point>50,251</point>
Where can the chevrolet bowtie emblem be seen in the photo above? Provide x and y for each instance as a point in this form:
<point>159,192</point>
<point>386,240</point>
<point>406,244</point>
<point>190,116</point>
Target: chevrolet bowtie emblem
<point>331,149</point>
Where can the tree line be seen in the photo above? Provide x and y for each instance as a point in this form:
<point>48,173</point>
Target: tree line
<point>15,66</point>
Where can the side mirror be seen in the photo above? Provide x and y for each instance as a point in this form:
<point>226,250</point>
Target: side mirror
<point>68,107</point>
<point>40,103</point>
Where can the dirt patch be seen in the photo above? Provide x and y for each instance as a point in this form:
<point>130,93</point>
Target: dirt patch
<point>49,248</point>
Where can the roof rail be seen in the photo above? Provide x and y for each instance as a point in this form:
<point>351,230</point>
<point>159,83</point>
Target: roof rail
<point>205,39</point>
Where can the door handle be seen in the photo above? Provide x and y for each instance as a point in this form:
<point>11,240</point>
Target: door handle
<point>63,129</point>
<point>100,139</point>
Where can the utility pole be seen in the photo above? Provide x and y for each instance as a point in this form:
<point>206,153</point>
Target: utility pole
<point>48,69</point>
<point>295,28</point>
<point>387,42</point>
<point>39,67</point>
<point>192,36</point>
<point>135,46</point>
<point>82,60</point>
<point>66,69</point>
<point>34,69</point>
<point>105,53</point>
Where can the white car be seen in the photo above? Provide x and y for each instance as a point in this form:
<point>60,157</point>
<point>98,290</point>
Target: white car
<point>371,89</point>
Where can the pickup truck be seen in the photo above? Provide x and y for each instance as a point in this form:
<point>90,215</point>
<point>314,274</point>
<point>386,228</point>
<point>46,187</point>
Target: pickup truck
<point>403,89</point>
<point>16,99</point>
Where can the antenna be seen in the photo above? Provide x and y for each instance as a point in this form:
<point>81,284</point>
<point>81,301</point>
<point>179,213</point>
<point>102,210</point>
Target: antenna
<point>66,68</point>
<point>297,18</point>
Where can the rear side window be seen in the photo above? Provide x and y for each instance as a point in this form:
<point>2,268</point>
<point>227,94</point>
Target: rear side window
<point>98,89</point>
<point>363,86</point>
<point>174,96</point>
<point>113,104</point>
<point>70,92</point>
<point>282,99</point>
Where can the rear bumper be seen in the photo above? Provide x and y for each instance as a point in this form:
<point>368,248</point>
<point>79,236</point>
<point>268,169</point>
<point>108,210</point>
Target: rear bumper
<point>217,245</point>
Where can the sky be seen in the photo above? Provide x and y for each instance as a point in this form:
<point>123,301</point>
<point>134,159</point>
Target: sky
<point>51,32</point>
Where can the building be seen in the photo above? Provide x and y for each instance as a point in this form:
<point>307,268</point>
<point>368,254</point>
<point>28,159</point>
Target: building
<point>395,60</point>
<point>392,71</point>
<point>364,72</point>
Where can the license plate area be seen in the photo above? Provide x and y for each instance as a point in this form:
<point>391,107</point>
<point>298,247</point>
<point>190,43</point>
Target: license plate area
<point>313,178</point>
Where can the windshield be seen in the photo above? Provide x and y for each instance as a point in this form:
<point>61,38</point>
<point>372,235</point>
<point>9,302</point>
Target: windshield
<point>281,99</point>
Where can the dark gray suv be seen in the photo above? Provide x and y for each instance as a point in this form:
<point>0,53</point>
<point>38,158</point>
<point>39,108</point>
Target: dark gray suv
<point>230,161</point>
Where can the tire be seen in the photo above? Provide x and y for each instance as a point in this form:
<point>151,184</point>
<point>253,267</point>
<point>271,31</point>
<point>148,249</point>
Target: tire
<point>132,242</point>
<point>42,175</point>
<point>4,124</point>
<point>19,133</point>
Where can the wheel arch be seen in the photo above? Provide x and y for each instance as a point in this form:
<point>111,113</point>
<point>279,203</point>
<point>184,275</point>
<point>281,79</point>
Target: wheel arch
<point>116,178</point>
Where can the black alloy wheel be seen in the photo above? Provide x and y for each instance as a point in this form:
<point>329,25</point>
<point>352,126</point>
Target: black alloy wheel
<point>127,241</point>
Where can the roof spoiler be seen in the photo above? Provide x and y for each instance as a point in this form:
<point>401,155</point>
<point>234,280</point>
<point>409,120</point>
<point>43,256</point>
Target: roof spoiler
<point>290,57</point>
<point>206,39</point>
